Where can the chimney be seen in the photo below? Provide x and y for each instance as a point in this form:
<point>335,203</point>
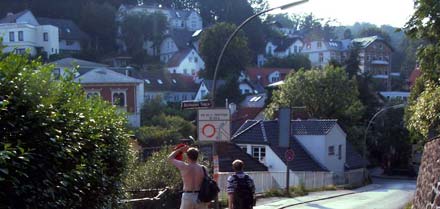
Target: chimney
<point>284,127</point>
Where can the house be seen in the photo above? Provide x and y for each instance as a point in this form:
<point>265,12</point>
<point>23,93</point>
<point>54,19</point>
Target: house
<point>169,87</point>
<point>391,95</point>
<point>375,57</point>
<point>71,39</point>
<point>318,145</point>
<point>320,52</point>
<point>125,92</point>
<point>248,87</point>
<point>22,31</point>
<point>63,66</point>
<point>186,62</point>
<point>189,20</point>
<point>205,87</point>
<point>283,47</point>
<point>265,76</point>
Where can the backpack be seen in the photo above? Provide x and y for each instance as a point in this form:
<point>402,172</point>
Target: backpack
<point>209,189</point>
<point>243,194</point>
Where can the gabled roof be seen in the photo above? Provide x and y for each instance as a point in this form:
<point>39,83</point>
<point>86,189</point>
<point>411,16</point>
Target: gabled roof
<point>284,43</point>
<point>266,132</point>
<point>12,18</point>
<point>367,41</point>
<point>178,57</point>
<point>182,38</point>
<point>68,30</point>
<point>312,126</point>
<point>162,80</point>
<point>228,152</point>
<point>261,75</point>
<point>242,115</point>
<point>104,76</point>
<point>69,62</point>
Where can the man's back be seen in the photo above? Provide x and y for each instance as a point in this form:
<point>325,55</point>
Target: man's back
<point>192,176</point>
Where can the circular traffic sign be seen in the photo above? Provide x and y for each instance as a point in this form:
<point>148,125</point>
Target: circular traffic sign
<point>289,155</point>
<point>208,130</point>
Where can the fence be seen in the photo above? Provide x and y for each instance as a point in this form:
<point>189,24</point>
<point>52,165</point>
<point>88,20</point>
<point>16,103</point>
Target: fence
<point>265,181</point>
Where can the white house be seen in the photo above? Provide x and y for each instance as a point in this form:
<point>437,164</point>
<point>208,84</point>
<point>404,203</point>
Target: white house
<point>205,87</point>
<point>186,62</point>
<point>321,52</point>
<point>318,145</point>
<point>72,39</point>
<point>284,47</point>
<point>21,32</point>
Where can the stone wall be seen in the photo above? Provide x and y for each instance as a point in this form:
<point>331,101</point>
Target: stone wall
<point>428,183</point>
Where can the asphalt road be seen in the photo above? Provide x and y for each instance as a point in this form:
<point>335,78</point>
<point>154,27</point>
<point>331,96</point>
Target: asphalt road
<point>387,194</point>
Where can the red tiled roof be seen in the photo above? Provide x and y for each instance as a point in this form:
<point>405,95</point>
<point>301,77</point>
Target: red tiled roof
<point>244,114</point>
<point>264,73</point>
<point>414,75</point>
<point>177,58</point>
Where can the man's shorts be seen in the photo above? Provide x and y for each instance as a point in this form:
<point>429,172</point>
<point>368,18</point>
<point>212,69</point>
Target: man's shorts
<point>191,201</point>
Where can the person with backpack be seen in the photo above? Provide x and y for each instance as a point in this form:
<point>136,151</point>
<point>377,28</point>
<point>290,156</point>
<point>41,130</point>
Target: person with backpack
<point>192,174</point>
<point>240,188</point>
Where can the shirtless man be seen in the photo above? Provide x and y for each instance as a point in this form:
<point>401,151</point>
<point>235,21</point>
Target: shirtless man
<point>192,177</point>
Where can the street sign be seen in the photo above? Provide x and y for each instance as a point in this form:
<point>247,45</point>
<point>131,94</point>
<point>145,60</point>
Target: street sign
<point>289,155</point>
<point>213,124</point>
<point>193,104</point>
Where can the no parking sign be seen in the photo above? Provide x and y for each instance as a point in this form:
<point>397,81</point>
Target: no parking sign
<point>213,124</point>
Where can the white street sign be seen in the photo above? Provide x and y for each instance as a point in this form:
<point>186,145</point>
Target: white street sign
<point>213,124</point>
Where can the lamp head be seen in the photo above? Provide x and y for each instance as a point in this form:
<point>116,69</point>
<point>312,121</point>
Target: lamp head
<point>287,6</point>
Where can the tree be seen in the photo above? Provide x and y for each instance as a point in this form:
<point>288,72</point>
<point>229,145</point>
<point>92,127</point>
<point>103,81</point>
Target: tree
<point>327,93</point>
<point>57,148</point>
<point>374,31</point>
<point>296,61</point>
<point>348,34</point>
<point>235,58</point>
<point>352,63</point>
<point>424,106</point>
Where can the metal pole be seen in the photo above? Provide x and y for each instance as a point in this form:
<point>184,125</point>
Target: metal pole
<point>286,6</point>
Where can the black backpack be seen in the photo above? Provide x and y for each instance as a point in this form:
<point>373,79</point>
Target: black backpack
<point>209,189</point>
<point>243,194</point>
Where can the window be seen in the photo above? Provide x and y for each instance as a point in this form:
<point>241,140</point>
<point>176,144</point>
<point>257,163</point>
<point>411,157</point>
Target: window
<point>46,36</point>
<point>308,46</point>
<point>295,49</point>
<point>69,42</point>
<point>275,79</point>
<point>319,44</point>
<point>174,71</point>
<point>321,57</point>
<point>247,91</point>
<point>118,98</point>
<point>331,150</point>
<point>91,94</point>
<point>243,147</point>
<point>20,51</point>
<point>259,152</point>
<point>196,59</point>
<point>185,71</point>
<point>340,152</point>
<point>11,36</point>
<point>20,36</point>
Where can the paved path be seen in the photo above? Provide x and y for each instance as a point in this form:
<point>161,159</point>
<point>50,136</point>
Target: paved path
<point>382,194</point>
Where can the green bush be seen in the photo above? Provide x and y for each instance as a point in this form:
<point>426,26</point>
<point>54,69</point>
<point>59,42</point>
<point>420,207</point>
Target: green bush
<point>57,149</point>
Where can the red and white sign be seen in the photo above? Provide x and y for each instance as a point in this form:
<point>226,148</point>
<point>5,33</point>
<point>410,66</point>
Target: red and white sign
<point>289,155</point>
<point>213,124</point>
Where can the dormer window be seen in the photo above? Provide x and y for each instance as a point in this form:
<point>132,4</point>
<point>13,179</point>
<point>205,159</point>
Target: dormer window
<point>159,81</point>
<point>174,81</point>
<point>147,81</point>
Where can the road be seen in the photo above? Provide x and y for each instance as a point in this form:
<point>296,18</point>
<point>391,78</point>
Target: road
<point>386,194</point>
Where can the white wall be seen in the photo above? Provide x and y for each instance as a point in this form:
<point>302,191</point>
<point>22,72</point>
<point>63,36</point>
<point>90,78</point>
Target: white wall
<point>194,22</point>
<point>200,95</point>
<point>167,49</point>
<point>190,65</point>
<point>243,87</point>
<point>315,145</point>
<point>28,18</point>
<point>52,46</point>
<point>335,138</point>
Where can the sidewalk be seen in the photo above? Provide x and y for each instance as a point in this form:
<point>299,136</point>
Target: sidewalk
<point>279,203</point>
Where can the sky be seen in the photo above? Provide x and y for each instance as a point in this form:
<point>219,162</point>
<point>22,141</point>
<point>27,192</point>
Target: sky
<point>347,12</point>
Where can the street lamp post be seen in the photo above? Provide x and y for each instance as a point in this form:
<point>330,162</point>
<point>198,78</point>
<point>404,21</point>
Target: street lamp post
<point>364,153</point>
<point>219,59</point>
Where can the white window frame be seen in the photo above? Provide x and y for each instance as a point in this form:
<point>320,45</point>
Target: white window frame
<point>331,150</point>
<point>258,155</point>
<point>123,91</point>
<point>93,91</point>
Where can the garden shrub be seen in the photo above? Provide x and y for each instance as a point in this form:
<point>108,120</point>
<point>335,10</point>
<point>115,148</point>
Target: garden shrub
<point>57,148</point>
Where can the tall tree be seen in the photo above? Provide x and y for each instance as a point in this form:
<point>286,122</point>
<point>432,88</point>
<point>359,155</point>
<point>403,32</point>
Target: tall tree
<point>297,61</point>
<point>235,58</point>
<point>423,113</point>
<point>327,93</point>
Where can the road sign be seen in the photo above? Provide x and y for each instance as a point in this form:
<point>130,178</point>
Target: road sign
<point>193,104</point>
<point>213,124</point>
<point>289,155</point>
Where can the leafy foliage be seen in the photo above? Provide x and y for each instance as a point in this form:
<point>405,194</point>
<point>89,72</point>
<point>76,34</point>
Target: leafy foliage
<point>325,93</point>
<point>235,58</point>
<point>423,113</point>
<point>57,149</point>
<point>296,61</point>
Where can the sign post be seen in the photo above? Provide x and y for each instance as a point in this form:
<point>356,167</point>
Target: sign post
<point>289,155</point>
<point>193,104</point>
